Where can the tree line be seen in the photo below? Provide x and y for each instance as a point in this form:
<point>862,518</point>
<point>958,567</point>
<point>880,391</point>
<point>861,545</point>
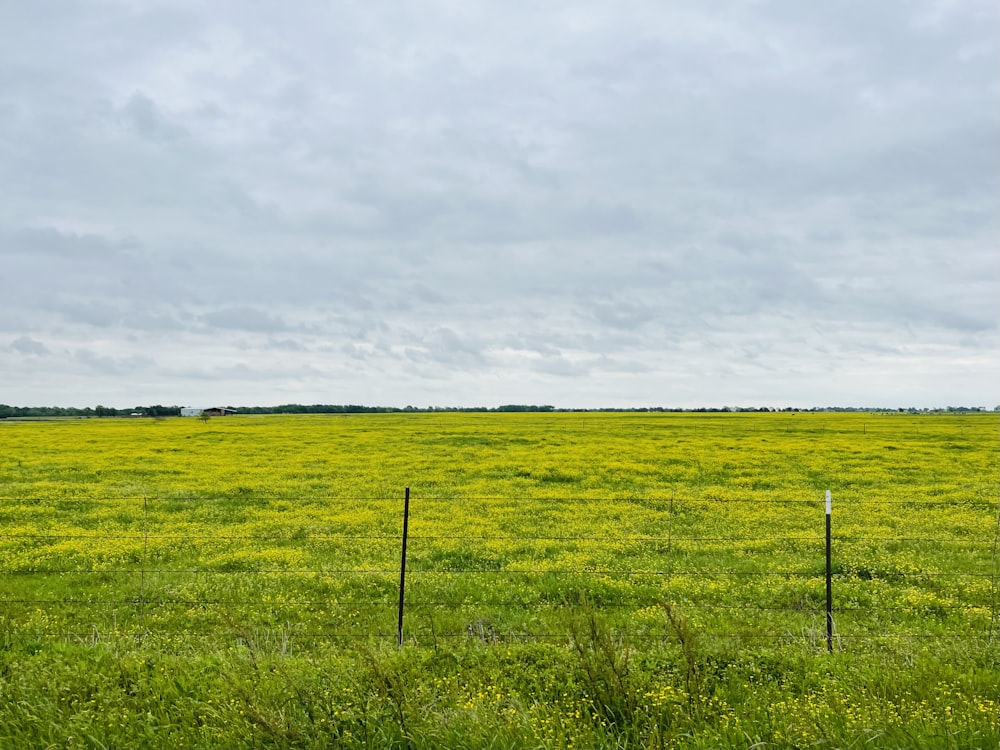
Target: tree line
<point>158,410</point>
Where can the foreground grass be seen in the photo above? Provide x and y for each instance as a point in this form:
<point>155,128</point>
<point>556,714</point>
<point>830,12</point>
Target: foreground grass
<point>589,692</point>
<point>612,580</point>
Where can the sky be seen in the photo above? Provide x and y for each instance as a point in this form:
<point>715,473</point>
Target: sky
<point>458,203</point>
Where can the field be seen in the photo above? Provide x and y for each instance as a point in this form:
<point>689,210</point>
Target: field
<point>624,580</point>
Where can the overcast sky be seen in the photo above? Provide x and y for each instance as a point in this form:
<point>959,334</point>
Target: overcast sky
<point>639,203</point>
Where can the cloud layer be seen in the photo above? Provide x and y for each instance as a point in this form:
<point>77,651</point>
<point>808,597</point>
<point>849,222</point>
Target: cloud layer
<point>767,203</point>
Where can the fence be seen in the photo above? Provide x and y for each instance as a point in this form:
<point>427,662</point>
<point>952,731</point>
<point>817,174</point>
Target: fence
<point>284,571</point>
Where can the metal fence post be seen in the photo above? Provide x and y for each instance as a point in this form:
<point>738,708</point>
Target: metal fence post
<point>829,578</point>
<point>995,619</point>
<point>145,563</point>
<point>402,567</point>
<point>670,536</point>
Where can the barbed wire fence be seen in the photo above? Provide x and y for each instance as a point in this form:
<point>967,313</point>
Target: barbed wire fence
<point>293,587</point>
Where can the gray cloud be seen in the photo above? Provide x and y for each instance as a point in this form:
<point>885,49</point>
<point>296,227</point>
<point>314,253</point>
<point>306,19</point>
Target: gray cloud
<point>244,319</point>
<point>623,314</point>
<point>94,314</point>
<point>30,346</point>
<point>50,243</point>
<point>290,345</point>
<point>576,204</point>
<point>108,365</point>
<point>142,115</point>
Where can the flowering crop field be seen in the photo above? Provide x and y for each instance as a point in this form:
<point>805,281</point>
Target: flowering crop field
<point>572,580</point>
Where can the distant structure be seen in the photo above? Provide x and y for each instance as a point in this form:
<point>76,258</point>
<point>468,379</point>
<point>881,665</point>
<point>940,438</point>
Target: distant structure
<point>212,411</point>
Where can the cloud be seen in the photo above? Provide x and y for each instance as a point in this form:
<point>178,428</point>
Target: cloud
<point>143,116</point>
<point>244,319</point>
<point>397,200</point>
<point>53,243</point>
<point>93,314</point>
<point>290,345</point>
<point>560,366</point>
<point>105,364</point>
<point>29,346</point>
<point>625,315</point>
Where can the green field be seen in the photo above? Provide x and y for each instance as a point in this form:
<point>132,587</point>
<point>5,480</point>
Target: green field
<point>573,580</point>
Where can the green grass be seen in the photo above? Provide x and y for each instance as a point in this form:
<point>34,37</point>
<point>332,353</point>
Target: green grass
<point>574,580</point>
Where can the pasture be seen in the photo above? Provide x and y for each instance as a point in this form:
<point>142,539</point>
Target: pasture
<point>572,580</point>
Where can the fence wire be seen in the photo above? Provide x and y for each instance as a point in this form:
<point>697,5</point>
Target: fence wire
<point>30,572</point>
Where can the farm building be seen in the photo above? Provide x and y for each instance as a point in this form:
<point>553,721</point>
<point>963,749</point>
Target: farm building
<point>217,411</point>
